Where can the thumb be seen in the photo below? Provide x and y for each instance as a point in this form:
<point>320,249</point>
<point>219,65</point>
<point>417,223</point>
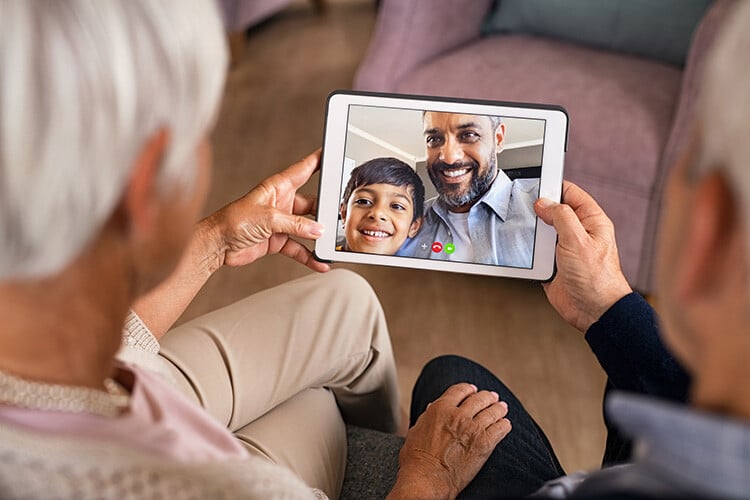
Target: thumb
<point>296,225</point>
<point>563,218</point>
<point>543,208</point>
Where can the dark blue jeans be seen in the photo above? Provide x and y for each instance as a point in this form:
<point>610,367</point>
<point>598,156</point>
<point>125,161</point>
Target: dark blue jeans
<point>522,462</point>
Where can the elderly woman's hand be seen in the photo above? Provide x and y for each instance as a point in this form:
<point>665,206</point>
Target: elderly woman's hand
<point>264,220</point>
<point>450,442</point>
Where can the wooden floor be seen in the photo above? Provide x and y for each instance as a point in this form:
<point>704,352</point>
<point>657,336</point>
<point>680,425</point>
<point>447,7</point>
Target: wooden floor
<point>272,115</point>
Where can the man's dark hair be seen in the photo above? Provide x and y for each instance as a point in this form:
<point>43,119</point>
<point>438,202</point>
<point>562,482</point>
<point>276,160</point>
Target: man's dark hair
<point>387,171</point>
<point>494,120</point>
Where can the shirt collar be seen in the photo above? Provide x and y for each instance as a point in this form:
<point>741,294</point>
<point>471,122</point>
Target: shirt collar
<point>497,198</point>
<point>702,450</point>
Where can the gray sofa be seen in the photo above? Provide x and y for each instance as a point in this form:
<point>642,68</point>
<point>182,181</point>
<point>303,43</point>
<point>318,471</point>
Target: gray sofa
<point>371,464</point>
<point>628,115</point>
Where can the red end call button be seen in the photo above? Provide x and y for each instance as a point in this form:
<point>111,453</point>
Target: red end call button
<point>437,247</point>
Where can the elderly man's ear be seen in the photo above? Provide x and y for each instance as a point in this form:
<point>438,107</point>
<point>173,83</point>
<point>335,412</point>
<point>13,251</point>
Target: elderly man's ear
<point>714,258</point>
<point>141,199</point>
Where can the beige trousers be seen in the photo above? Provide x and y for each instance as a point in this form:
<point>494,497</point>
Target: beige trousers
<point>285,368</point>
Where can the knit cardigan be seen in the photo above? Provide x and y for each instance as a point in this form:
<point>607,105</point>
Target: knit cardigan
<point>42,465</point>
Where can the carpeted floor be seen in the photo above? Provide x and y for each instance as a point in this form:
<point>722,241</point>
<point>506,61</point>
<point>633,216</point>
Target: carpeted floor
<point>272,115</point>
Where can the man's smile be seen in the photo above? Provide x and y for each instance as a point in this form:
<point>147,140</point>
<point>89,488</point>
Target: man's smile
<point>455,175</point>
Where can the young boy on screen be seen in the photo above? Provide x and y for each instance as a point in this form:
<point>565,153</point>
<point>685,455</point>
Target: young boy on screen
<point>381,206</point>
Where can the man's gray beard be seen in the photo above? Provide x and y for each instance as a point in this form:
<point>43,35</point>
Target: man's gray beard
<point>479,186</point>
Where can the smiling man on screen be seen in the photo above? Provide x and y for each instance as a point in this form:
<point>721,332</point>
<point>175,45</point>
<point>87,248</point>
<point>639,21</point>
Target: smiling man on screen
<point>479,214</point>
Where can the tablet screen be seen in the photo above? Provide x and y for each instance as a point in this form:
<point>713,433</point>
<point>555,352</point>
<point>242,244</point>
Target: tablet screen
<point>439,185</point>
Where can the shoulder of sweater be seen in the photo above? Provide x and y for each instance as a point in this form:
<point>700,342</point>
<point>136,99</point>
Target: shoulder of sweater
<point>36,465</point>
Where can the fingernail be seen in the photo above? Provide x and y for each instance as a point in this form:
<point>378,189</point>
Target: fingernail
<point>504,404</point>
<point>474,387</point>
<point>317,229</point>
<point>495,394</point>
<point>544,202</point>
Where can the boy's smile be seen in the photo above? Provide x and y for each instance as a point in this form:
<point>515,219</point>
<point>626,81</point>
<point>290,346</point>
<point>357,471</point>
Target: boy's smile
<point>375,233</point>
<point>378,218</point>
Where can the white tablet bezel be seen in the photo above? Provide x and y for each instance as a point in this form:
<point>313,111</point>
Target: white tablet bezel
<point>332,164</point>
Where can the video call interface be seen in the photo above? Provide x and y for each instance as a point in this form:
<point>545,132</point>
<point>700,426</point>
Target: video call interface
<point>442,186</point>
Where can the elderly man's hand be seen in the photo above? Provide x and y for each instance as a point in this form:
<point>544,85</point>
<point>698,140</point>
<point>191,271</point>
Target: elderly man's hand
<point>450,442</point>
<point>589,279</point>
<point>264,220</point>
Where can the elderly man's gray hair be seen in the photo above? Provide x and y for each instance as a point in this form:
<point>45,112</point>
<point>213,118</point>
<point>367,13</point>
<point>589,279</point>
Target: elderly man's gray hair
<point>83,85</point>
<point>724,112</point>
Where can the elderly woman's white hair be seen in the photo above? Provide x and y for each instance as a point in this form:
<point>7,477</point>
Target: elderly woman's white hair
<point>724,111</point>
<point>83,85</point>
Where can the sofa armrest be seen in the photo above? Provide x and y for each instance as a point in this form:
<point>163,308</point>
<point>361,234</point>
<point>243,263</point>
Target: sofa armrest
<point>682,124</point>
<point>411,32</point>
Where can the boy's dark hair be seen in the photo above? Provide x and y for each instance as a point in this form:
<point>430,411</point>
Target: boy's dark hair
<point>387,171</point>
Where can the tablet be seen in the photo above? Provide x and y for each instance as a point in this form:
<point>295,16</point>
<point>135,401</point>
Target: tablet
<point>440,184</point>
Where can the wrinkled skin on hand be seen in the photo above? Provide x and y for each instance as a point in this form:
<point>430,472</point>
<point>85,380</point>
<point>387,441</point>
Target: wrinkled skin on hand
<point>450,443</point>
<point>266,219</point>
<point>589,279</point>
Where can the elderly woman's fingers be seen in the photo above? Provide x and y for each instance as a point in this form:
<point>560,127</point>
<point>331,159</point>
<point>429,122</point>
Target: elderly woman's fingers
<point>299,173</point>
<point>295,225</point>
<point>305,204</point>
<point>297,251</point>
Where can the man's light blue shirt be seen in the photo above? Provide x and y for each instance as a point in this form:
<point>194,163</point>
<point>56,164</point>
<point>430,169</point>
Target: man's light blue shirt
<point>502,225</point>
<point>679,452</point>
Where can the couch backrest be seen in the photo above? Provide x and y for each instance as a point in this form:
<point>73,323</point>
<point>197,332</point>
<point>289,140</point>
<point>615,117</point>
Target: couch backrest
<point>659,30</point>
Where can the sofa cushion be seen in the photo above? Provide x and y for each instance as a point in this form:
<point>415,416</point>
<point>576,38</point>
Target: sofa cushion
<point>655,29</point>
<point>605,93</point>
